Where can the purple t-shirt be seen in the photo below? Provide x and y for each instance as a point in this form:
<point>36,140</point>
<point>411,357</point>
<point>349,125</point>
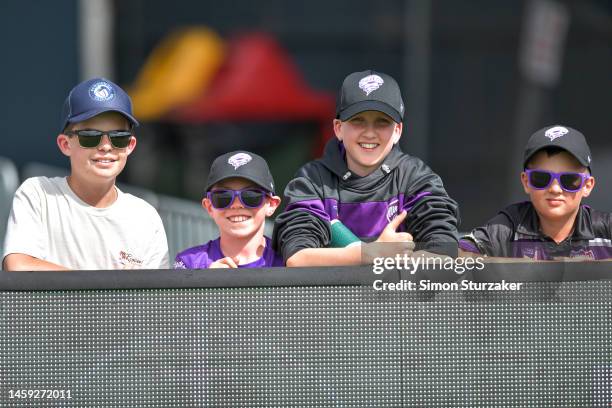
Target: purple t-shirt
<point>201,256</point>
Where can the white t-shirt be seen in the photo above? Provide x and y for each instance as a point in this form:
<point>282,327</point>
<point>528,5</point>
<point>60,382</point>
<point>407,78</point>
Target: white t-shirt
<point>48,221</point>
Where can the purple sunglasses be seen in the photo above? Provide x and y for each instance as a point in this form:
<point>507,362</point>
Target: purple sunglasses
<point>569,181</point>
<point>249,197</point>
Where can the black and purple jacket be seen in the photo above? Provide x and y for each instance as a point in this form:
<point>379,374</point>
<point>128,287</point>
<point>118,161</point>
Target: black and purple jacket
<point>515,233</point>
<point>325,189</point>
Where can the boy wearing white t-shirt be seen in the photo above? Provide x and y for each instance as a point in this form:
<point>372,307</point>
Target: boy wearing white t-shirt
<point>84,221</point>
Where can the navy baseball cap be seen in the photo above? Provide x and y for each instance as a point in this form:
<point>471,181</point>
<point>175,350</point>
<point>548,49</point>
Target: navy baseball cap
<point>563,137</point>
<point>93,97</point>
<point>241,164</point>
<point>370,90</point>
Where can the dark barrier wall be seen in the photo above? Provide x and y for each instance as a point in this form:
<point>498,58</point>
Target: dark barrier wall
<point>305,338</point>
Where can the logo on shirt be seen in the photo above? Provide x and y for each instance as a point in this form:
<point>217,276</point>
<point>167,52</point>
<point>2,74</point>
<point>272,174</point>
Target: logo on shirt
<point>179,265</point>
<point>101,91</point>
<point>392,209</point>
<point>556,132</point>
<point>370,83</point>
<point>129,261</point>
<point>582,253</point>
<point>239,159</point>
<point>530,249</point>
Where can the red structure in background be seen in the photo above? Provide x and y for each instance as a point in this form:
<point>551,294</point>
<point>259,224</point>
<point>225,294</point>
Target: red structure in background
<point>259,82</point>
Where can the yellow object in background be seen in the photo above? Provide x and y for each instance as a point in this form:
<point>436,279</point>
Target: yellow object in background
<point>178,70</point>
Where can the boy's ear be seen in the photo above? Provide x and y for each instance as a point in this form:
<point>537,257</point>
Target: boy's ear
<point>273,203</point>
<point>525,182</point>
<point>589,185</point>
<point>397,132</point>
<point>63,142</point>
<point>207,206</point>
<point>337,125</point>
<point>131,146</point>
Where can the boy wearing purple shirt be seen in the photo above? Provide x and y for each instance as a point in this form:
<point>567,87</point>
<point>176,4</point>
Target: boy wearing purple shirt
<point>239,197</point>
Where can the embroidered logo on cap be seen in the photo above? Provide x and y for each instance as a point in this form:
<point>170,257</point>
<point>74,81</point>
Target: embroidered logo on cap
<point>101,91</point>
<point>556,132</point>
<point>239,159</point>
<point>370,83</point>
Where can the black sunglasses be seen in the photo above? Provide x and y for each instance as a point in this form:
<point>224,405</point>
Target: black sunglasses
<point>90,138</point>
<point>249,197</point>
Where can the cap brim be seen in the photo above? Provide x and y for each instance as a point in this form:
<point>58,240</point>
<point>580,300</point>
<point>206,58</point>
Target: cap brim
<point>90,114</point>
<point>363,106</point>
<point>246,177</point>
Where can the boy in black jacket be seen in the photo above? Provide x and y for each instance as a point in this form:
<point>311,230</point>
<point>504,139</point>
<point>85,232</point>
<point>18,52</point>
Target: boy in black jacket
<point>553,224</point>
<point>365,181</point>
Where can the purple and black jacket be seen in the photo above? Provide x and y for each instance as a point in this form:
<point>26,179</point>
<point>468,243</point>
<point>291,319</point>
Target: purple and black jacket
<point>325,189</point>
<point>515,233</point>
<point>201,256</point>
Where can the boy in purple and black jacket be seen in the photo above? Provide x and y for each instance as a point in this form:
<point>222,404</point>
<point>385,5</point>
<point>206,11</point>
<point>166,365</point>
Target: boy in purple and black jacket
<point>367,183</point>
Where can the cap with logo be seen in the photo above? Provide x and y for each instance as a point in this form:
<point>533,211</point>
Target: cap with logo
<point>369,90</point>
<point>563,137</point>
<point>93,97</point>
<point>241,164</point>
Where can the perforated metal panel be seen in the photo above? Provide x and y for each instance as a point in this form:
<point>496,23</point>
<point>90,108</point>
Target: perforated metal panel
<point>335,346</point>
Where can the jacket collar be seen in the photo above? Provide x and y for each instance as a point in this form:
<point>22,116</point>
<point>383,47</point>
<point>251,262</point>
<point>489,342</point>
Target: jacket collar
<point>529,224</point>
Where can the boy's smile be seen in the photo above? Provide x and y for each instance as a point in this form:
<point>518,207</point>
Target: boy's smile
<point>368,137</point>
<point>241,218</point>
<point>238,218</point>
<point>104,162</point>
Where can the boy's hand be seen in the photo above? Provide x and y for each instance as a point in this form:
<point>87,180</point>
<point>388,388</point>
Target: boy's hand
<point>226,262</point>
<point>390,242</point>
<point>390,233</point>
